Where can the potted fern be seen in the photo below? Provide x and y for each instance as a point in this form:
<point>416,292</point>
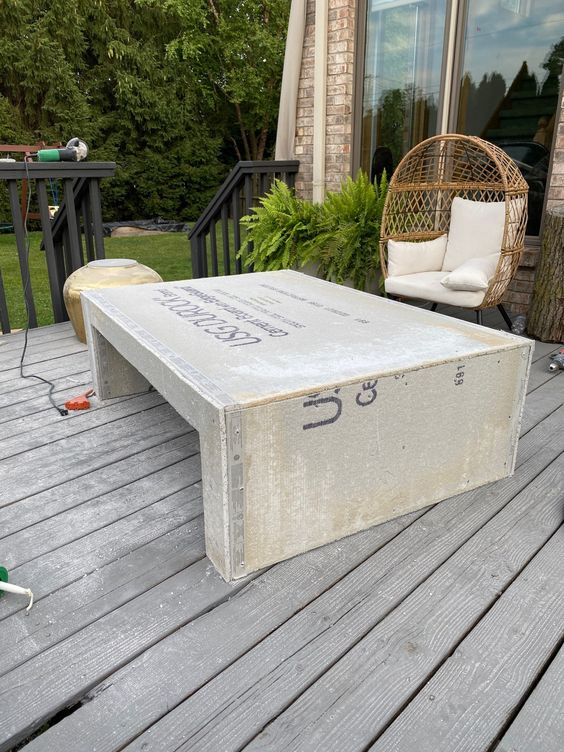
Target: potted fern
<point>282,231</point>
<point>339,237</point>
<point>350,227</point>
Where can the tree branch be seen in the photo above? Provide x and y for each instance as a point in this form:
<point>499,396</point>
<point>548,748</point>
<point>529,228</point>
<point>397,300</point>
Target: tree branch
<point>214,10</point>
<point>242,129</point>
<point>237,152</point>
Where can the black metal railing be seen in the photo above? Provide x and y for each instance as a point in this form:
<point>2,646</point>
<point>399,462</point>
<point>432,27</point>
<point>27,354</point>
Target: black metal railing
<point>241,190</point>
<point>75,234</point>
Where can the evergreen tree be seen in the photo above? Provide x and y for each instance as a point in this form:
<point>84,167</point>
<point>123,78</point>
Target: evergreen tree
<point>159,86</point>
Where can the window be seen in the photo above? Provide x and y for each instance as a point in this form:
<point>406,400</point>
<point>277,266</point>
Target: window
<point>403,60</point>
<point>505,83</point>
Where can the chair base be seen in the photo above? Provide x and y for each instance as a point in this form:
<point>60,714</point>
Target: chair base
<point>505,315</point>
<point>503,312</point>
<point>479,318</point>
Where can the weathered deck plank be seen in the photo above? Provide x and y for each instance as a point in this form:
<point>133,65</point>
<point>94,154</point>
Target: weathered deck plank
<point>98,513</point>
<point>539,726</point>
<point>80,603</point>
<point>78,558</point>
<point>93,484</point>
<point>355,700</point>
<point>51,332</point>
<point>239,702</point>
<point>49,683</point>
<point>38,354</point>
<point>156,696</point>
<point>111,641</point>
<point>76,424</point>
<point>471,697</point>
<point>54,369</point>
<point>335,649</point>
<point>50,465</point>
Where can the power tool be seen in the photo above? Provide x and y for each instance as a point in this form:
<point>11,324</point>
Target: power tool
<point>74,151</point>
<point>557,361</point>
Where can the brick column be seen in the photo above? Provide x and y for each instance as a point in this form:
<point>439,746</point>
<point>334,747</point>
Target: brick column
<point>340,67</point>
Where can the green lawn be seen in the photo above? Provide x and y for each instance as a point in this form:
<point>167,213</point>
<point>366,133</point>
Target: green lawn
<point>167,253</point>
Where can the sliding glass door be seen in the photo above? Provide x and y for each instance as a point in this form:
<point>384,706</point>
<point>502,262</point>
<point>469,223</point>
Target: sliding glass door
<point>508,85</point>
<point>504,61</point>
<point>402,75</point>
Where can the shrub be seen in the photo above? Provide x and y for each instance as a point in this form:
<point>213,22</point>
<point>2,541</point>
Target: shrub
<point>283,230</point>
<point>341,235</point>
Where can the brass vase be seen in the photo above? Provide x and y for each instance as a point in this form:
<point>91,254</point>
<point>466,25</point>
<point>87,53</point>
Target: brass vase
<point>98,274</point>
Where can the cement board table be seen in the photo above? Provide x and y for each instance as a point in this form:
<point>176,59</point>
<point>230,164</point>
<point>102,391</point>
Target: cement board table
<point>321,410</point>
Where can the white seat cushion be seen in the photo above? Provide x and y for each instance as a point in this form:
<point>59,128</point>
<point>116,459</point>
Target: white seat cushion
<point>427,286</point>
<point>405,257</point>
<point>474,274</point>
<point>476,229</point>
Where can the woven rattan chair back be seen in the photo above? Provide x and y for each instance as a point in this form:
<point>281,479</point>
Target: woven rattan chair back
<point>437,170</point>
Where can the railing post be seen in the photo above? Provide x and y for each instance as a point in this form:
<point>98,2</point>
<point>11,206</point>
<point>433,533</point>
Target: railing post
<point>96,211</point>
<point>21,243</point>
<point>56,282</point>
<point>72,225</point>
<point>225,239</point>
<point>235,195</point>
<point>4,318</point>
<point>213,249</point>
<point>87,226</point>
<point>196,265</point>
<point>236,214</point>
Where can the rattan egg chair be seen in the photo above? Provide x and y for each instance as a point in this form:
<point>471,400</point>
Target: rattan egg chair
<point>418,208</point>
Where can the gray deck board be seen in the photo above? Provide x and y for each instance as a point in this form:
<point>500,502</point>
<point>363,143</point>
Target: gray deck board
<point>50,464</point>
<point>406,560</point>
<point>48,683</point>
<point>241,700</point>
<point>97,513</point>
<point>84,555</point>
<point>356,698</point>
<point>338,649</point>
<point>54,368</point>
<point>52,333</point>
<point>539,726</point>
<point>94,484</point>
<point>37,355</point>
<point>76,423</point>
<point>51,681</point>
<point>71,608</point>
<point>476,690</point>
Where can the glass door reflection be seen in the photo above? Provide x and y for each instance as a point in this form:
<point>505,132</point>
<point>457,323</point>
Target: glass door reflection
<point>403,58</point>
<point>511,64</point>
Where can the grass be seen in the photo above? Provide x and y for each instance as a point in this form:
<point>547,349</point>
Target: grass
<point>166,253</point>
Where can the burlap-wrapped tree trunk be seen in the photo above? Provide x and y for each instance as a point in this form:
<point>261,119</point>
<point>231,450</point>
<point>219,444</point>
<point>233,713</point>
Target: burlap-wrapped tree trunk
<point>546,315</point>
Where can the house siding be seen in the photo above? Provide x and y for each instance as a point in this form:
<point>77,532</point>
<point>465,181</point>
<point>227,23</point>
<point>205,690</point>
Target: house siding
<point>339,111</point>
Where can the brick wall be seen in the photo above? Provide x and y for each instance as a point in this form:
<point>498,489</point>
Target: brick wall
<point>556,187</point>
<point>303,144</point>
<point>340,67</point>
<point>518,295</point>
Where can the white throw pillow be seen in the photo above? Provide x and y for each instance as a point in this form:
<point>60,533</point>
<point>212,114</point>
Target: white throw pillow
<point>476,229</point>
<point>411,258</point>
<point>472,275</point>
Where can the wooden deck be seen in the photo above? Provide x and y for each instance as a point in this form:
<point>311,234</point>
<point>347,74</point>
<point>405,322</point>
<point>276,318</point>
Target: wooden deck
<point>438,631</point>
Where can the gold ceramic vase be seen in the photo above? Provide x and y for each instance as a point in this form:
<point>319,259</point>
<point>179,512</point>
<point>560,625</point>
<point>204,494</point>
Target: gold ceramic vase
<point>98,274</point>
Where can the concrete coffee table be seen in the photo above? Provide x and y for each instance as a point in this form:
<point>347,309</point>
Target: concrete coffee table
<point>321,410</point>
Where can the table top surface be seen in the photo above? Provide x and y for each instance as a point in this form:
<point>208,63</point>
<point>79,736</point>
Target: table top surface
<point>255,336</point>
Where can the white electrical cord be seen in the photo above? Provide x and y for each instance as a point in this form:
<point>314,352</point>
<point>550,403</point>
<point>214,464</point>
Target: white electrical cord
<point>17,590</point>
